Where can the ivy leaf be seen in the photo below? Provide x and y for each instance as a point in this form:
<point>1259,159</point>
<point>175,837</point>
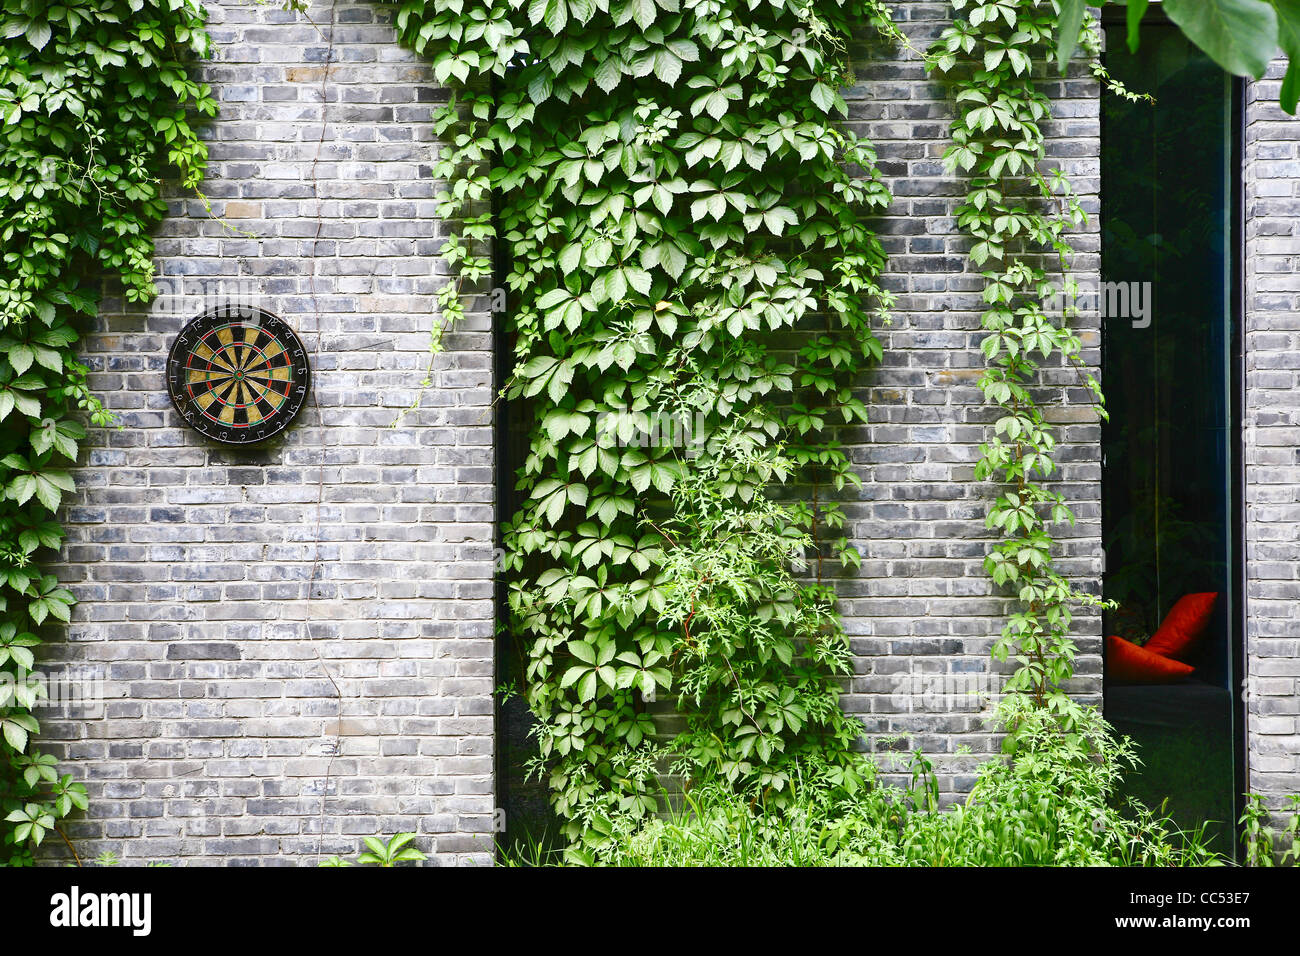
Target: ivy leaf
<point>608,74</point>
<point>21,356</point>
<point>1133,15</point>
<point>557,15</point>
<point>570,257</point>
<point>671,258</point>
<point>642,11</point>
<point>50,600</point>
<point>38,34</point>
<point>1290,92</point>
<point>16,647</point>
<point>668,67</point>
<point>547,372</point>
<point>558,423</point>
<point>638,279</point>
<point>1239,35</point>
<point>824,97</point>
<point>1288,30</point>
<point>17,728</point>
<point>609,286</point>
<point>665,474</point>
<point>1069,24</point>
<point>592,669</point>
<point>47,486</point>
<point>778,217</point>
<point>62,436</point>
<point>14,395</point>
<point>554,496</point>
<point>563,308</point>
<point>731,154</point>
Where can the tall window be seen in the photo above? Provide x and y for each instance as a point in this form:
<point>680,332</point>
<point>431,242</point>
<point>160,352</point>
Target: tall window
<point>1168,484</point>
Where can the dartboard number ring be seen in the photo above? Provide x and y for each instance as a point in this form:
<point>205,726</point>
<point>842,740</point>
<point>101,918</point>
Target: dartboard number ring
<point>238,374</point>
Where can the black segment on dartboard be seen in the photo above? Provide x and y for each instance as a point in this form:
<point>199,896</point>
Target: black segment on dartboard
<point>238,374</point>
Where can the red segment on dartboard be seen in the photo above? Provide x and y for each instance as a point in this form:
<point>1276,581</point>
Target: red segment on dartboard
<point>238,374</point>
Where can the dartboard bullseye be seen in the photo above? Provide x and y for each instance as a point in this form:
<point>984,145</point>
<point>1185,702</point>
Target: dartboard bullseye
<point>238,374</point>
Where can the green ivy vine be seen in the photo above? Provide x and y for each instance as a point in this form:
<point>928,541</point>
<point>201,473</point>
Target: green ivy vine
<point>1013,213</point>
<point>684,216</point>
<point>97,107</point>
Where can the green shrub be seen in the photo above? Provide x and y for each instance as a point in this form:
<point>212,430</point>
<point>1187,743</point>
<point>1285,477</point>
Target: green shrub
<point>1056,803</point>
<point>1261,841</point>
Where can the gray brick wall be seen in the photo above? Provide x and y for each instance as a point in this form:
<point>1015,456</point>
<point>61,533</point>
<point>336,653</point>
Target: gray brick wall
<point>1272,439</point>
<point>922,612</point>
<point>295,641</point>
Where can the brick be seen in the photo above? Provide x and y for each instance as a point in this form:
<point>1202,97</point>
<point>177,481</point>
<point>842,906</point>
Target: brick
<point>1270,439</point>
<point>220,671</point>
<point>314,620</point>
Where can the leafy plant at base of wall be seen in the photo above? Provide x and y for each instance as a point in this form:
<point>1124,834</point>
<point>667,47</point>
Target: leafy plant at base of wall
<point>97,106</point>
<point>1056,804</point>
<point>381,853</point>
<point>1260,839</point>
<point>1013,213</point>
<point>683,215</point>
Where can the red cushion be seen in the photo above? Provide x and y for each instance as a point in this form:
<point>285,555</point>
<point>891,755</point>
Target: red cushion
<point>1183,625</point>
<point>1126,661</point>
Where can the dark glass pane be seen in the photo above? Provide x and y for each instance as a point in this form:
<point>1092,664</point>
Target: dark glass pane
<point>1166,204</point>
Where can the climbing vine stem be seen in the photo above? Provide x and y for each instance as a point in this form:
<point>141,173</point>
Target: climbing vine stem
<point>1019,220</point>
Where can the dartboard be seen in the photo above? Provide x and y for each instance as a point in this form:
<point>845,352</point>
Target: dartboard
<point>238,374</point>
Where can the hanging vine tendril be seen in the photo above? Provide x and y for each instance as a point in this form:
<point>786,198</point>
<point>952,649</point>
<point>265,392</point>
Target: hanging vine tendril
<point>1014,213</point>
<point>98,108</point>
